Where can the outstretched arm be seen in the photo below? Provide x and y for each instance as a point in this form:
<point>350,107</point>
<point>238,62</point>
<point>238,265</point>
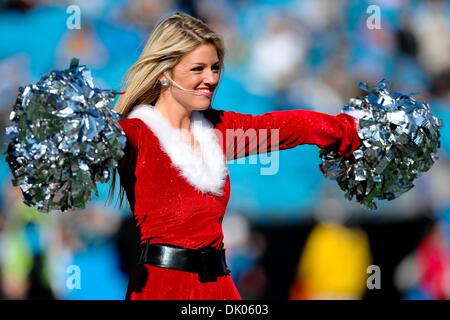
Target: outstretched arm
<point>246,134</point>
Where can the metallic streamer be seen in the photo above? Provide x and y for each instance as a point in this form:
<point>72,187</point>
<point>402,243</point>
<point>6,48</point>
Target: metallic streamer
<point>400,137</point>
<point>64,138</point>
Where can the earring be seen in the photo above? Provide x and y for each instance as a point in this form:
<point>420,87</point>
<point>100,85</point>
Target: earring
<point>164,82</point>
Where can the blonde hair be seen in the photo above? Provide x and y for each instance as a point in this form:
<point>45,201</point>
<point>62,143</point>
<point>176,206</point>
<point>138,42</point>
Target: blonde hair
<point>175,36</point>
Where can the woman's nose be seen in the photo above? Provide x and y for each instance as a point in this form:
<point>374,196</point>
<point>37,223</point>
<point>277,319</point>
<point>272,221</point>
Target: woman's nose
<point>211,78</point>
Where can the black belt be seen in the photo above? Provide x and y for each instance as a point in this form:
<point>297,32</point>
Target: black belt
<point>208,262</point>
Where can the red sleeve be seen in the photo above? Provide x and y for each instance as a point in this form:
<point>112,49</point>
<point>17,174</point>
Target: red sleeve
<point>127,164</point>
<point>246,134</point>
<point>131,127</point>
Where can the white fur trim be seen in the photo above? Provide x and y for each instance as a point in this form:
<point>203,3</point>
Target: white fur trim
<point>205,169</point>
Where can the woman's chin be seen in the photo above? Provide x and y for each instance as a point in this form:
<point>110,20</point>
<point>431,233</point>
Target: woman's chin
<point>202,106</point>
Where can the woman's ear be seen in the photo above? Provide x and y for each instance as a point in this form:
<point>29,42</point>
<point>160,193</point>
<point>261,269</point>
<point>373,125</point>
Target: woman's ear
<point>164,82</point>
<point>163,79</point>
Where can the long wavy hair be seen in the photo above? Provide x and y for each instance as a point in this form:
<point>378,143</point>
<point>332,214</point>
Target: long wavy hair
<point>175,36</point>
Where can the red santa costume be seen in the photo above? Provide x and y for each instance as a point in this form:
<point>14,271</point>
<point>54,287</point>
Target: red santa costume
<point>179,195</point>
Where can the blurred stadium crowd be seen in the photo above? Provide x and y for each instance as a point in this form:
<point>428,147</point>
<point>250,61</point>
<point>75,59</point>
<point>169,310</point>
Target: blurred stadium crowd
<point>280,54</point>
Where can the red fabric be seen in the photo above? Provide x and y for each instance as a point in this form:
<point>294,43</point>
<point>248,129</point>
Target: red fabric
<point>433,263</point>
<point>294,127</point>
<point>168,209</point>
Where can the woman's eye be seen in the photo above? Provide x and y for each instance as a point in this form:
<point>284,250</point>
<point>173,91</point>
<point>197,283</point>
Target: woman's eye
<point>200,69</point>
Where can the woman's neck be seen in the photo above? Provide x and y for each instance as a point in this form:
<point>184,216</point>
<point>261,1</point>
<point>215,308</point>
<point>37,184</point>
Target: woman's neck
<point>179,118</point>
<point>177,115</point>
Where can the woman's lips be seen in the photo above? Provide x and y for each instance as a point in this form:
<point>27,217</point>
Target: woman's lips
<point>204,92</point>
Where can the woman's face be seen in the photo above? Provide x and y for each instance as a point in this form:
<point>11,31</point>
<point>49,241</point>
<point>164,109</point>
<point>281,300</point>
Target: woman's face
<point>197,71</point>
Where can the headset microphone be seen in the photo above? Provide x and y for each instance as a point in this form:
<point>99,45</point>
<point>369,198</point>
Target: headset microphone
<point>179,86</point>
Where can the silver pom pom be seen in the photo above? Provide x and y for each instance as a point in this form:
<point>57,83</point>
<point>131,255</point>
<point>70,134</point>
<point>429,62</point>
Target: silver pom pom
<point>64,138</point>
<point>400,138</point>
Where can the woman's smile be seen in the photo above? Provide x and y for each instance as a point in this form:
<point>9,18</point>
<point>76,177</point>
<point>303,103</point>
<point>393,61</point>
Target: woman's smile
<point>207,92</point>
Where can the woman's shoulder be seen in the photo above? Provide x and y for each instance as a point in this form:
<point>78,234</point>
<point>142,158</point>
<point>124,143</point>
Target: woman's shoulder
<point>131,126</point>
<point>217,117</point>
<point>136,131</point>
<point>132,123</point>
<point>223,119</point>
